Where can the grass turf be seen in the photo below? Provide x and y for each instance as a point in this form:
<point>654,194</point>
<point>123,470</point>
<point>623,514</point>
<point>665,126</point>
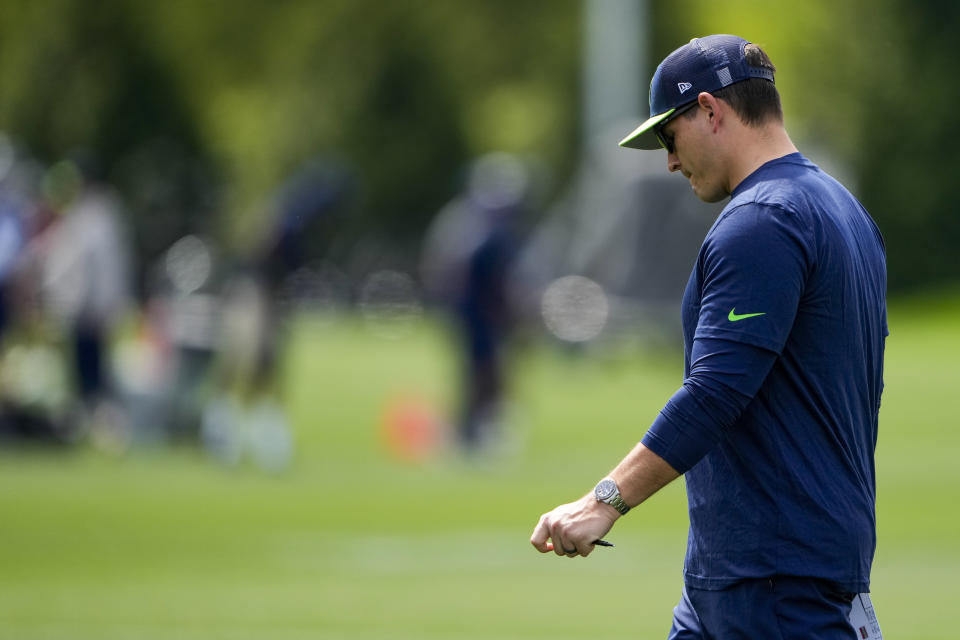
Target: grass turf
<point>354,543</point>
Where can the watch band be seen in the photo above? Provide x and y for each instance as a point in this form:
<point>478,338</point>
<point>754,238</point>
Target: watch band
<point>617,503</point>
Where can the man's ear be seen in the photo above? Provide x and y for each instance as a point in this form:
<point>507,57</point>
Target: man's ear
<point>709,103</point>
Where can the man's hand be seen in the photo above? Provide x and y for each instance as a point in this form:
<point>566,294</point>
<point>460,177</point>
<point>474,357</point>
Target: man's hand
<point>573,527</point>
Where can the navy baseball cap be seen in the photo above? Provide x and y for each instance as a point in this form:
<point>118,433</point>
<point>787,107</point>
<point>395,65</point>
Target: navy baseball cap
<point>703,64</point>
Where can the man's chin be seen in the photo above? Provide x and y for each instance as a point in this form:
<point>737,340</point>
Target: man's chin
<point>708,196</point>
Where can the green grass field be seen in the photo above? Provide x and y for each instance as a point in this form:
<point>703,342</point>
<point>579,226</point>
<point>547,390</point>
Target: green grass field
<point>353,543</point>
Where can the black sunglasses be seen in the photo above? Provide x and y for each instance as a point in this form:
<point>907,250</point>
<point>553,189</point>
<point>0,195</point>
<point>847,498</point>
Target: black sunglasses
<point>667,142</point>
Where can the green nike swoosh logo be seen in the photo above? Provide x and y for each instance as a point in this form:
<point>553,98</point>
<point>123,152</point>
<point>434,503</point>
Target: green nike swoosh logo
<point>733,317</point>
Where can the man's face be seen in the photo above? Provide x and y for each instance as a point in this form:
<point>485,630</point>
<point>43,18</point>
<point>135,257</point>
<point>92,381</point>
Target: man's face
<point>693,154</point>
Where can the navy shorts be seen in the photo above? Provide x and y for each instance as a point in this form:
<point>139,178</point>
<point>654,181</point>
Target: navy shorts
<point>781,608</point>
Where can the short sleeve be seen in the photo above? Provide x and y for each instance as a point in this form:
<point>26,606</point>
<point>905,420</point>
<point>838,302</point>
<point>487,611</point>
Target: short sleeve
<point>753,271</point>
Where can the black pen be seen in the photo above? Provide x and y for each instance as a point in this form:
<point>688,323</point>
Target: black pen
<point>602,543</point>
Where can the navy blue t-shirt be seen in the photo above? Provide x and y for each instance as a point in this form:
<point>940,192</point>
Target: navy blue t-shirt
<point>784,322</point>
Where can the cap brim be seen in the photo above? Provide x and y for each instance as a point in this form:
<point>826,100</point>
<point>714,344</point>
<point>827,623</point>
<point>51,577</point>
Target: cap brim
<point>645,136</point>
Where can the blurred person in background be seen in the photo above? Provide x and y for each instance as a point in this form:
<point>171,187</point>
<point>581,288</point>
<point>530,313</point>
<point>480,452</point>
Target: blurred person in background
<point>166,385</point>
<point>86,280</point>
<point>245,415</point>
<point>466,264</point>
<point>784,321</point>
<point>14,213</point>
<point>32,385</point>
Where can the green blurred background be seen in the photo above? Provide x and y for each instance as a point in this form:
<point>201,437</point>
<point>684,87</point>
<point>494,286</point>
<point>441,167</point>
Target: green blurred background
<point>221,101</point>
<point>198,111</point>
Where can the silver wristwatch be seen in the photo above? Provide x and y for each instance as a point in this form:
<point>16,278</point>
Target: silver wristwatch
<point>607,491</point>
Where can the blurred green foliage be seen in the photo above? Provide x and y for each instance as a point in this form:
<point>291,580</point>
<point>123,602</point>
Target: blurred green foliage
<point>403,92</point>
<point>200,109</point>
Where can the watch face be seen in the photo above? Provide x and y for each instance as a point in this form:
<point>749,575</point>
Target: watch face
<point>605,489</point>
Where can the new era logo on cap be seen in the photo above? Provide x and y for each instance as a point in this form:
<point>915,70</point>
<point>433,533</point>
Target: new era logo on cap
<point>684,86</point>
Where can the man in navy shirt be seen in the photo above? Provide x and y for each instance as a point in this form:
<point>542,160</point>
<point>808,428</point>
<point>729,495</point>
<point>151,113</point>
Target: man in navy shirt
<point>784,323</point>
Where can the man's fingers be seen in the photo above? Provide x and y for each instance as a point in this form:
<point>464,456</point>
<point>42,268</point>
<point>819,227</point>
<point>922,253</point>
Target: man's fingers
<point>540,536</point>
<point>563,546</point>
<point>560,552</point>
<point>547,530</point>
<point>554,532</point>
<point>559,548</point>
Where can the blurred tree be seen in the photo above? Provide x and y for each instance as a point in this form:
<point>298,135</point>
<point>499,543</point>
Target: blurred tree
<point>207,107</point>
<point>407,92</point>
<point>76,75</point>
<point>908,163</point>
